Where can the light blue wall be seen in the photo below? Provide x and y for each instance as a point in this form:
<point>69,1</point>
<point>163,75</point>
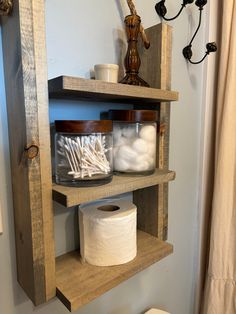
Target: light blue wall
<point>79,35</point>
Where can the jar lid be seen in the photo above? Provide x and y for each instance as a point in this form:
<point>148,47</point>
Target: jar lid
<point>83,126</point>
<point>106,66</point>
<point>134,115</point>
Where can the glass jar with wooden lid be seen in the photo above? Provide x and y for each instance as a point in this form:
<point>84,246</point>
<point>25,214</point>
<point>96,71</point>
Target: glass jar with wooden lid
<point>83,152</point>
<point>134,141</point>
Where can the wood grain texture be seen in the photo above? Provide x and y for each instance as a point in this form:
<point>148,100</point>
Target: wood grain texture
<point>1,223</point>
<point>155,69</point>
<point>79,88</point>
<point>27,105</point>
<point>78,284</point>
<point>163,162</point>
<point>72,196</point>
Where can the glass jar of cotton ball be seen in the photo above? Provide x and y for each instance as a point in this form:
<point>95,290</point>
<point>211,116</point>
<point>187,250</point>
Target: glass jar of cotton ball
<point>83,152</point>
<point>134,141</point>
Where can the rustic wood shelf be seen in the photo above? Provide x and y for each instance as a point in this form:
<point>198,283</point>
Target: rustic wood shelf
<point>71,196</point>
<point>26,80</point>
<point>78,284</point>
<point>78,88</point>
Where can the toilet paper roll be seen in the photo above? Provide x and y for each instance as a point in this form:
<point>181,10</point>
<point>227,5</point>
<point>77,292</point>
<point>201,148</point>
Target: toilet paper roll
<point>108,232</point>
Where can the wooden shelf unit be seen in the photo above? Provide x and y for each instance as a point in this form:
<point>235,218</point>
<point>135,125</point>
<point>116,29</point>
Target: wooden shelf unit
<point>78,283</point>
<point>40,274</point>
<point>71,196</point>
<point>67,87</point>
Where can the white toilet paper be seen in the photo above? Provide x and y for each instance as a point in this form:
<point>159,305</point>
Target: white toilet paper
<point>108,232</point>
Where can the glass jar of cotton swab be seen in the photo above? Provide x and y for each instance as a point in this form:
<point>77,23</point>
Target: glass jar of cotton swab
<point>83,152</point>
<point>134,141</point>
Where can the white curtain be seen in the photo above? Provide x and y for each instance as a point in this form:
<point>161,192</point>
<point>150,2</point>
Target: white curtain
<point>220,289</point>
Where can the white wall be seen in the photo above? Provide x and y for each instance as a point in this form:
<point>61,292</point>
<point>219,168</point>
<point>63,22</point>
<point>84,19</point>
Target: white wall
<point>80,34</point>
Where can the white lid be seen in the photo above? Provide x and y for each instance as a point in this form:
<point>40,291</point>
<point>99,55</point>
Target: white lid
<point>107,65</point>
<point>156,311</point>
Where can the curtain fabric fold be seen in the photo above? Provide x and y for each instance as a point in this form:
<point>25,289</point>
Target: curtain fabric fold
<point>220,288</point>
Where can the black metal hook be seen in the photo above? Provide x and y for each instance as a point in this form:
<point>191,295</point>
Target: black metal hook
<point>211,47</point>
<point>162,10</point>
<point>187,51</point>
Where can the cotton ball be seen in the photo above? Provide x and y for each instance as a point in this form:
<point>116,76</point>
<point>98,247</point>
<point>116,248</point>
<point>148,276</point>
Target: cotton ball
<point>151,162</point>
<point>120,164</point>
<point>120,141</point>
<point>140,146</point>
<point>115,151</point>
<point>127,153</point>
<point>140,166</point>
<point>151,149</point>
<point>129,132</point>
<point>148,133</point>
<point>116,133</point>
<point>141,163</point>
<point>142,158</point>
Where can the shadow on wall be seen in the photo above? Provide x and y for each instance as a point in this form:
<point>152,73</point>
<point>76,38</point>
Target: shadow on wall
<point>191,29</point>
<point>66,238</point>
<point>124,310</point>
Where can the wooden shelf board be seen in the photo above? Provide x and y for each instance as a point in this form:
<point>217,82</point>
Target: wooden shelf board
<point>72,196</point>
<point>78,284</point>
<point>78,88</point>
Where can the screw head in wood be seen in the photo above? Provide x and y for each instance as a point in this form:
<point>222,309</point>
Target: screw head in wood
<point>6,7</point>
<point>32,151</point>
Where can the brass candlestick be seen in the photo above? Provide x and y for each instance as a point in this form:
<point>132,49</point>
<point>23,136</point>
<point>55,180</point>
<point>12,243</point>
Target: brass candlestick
<point>132,59</point>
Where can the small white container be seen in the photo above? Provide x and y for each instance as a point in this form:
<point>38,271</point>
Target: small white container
<point>106,72</point>
<point>156,311</point>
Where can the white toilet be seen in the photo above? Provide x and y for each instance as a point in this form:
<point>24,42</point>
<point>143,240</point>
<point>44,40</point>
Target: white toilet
<point>156,311</point>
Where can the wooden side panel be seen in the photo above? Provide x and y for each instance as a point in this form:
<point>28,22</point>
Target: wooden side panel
<point>27,101</point>
<point>152,202</point>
